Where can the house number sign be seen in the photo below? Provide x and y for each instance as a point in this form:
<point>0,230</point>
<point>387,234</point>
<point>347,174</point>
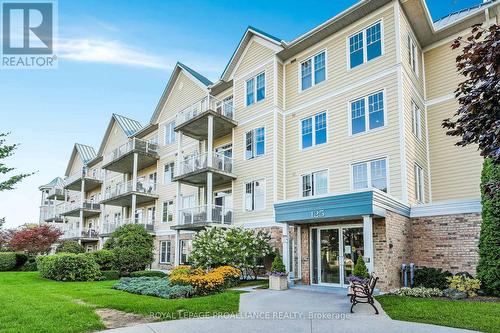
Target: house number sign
<point>318,213</point>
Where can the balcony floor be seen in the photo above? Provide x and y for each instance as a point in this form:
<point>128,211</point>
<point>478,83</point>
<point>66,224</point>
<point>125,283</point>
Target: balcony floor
<point>197,127</point>
<point>125,200</point>
<point>86,212</point>
<point>199,177</point>
<point>90,184</point>
<point>125,163</point>
<point>199,226</point>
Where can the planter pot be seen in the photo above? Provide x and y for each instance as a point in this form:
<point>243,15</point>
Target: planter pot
<point>278,282</point>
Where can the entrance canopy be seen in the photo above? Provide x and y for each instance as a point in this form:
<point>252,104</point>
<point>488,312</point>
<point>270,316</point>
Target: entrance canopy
<point>338,207</point>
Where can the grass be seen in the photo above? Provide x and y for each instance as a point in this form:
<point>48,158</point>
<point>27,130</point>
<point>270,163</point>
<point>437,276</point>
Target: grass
<point>479,316</point>
<point>29,303</point>
<point>253,283</point>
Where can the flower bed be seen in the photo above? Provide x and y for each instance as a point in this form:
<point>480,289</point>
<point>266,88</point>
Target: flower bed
<point>153,286</point>
<point>203,282</point>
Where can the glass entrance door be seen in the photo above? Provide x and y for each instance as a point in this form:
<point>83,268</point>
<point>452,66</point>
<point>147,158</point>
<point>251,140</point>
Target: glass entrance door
<point>329,256</point>
<point>352,242</point>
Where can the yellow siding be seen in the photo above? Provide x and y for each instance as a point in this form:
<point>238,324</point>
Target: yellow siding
<point>417,79</point>
<point>441,73</point>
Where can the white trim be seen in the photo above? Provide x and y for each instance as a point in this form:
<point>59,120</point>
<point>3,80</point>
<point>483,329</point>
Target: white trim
<point>439,100</point>
<point>270,223</point>
<point>446,208</point>
<point>253,130</point>
<point>167,250</point>
<point>365,45</point>
<point>311,173</point>
<point>275,156</point>
<point>419,182</point>
<point>254,92</point>
<point>299,69</point>
<point>427,139</point>
<point>416,120</point>
<point>264,180</point>
<point>313,131</point>
<point>367,113</point>
<point>368,174</point>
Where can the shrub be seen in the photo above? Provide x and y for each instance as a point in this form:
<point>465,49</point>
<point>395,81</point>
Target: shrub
<point>430,277</point>
<point>360,269</point>
<point>70,246</point>
<point>154,286</point>
<point>277,267</point>
<point>148,274</point>
<point>133,248</point>
<point>30,265</point>
<point>418,292</point>
<point>464,284</point>
<point>104,258</point>
<point>231,275</point>
<point>68,267</point>
<point>21,259</point>
<point>35,239</point>
<point>110,275</point>
<point>488,268</point>
<point>7,261</point>
<point>202,282</point>
<point>236,247</point>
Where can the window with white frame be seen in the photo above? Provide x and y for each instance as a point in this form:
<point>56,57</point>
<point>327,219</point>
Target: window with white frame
<point>168,211</point>
<point>165,252</point>
<point>255,143</point>
<point>168,173</point>
<point>256,89</point>
<point>370,174</point>
<point>367,113</point>
<point>255,195</point>
<point>313,70</point>
<point>419,183</point>
<point>313,130</point>
<point>416,120</point>
<point>413,54</point>
<point>225,107</point>
<point>315,183</point>
<point>365,45</point>
<point>170,133</point>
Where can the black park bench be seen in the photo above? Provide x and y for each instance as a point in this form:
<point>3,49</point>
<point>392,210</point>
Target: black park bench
<point>362,293</point>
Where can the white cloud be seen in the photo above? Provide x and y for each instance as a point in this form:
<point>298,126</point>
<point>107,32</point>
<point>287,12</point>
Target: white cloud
<point>106,51</point>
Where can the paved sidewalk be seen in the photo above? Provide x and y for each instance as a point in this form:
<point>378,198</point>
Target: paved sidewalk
<point>293,311</point>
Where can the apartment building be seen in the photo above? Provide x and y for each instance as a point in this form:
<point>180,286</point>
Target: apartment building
<point>331,142</point>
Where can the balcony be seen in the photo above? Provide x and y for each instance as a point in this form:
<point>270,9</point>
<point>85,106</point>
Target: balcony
<point>109,227</point>
<point>193,170</point>
<point>88,207</point>
<point>196,218</point>
<point>122,158</point>
<point>92,179</point>
<point>121,194</point>
<point>55,194</point>
<point>193,120</point>
<point>85,235</point>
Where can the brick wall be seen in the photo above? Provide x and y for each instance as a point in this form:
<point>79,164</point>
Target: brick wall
<point>447,241</point>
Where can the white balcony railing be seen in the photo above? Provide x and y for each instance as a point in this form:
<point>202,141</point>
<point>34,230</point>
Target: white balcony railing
<point>110,226</point>
<point>143,186</point>
<point>95,174</point>
<point>199,214</point>
<point>224,108</point>
<point>56,192</point>
<point>135,144</point>
<point>199,161</point>
<point>86,204</point>
<point>75,233</point>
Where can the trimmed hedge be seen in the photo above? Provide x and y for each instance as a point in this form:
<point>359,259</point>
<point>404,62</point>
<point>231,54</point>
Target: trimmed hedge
<point>153,286</point>
<point>30,265</point>
<point>430,277</point>
<point>148,274</point>
<point>21,259</point>
<point>104,258</point>
<point>110,275</point>
<point>68,267</point>
<point>7,261</point>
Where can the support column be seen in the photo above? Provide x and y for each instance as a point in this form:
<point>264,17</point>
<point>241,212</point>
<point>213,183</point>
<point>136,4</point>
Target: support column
<point>177,252</point>
<point>210,141</point>
<point>179,153</point>
<point>286,248</point>
<point>82,200</point>
<point>298,235</point>
<point>134,185</point>
<point>368,241</point>
<point>178,204</point>
<point>209,197</point>
<point>133,208</point>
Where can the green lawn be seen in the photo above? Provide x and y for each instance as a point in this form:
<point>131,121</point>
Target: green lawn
<point>29,303</point>
<point>479,316</point>
<point>253,283</point>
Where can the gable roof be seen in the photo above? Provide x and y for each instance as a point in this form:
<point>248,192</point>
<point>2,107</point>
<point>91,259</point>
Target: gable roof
<point>460,14</point>
<point>244,41</point>
<point>86,154</point>
<point>128,126</point>
<point>197,77</point>
<point>56,182</point>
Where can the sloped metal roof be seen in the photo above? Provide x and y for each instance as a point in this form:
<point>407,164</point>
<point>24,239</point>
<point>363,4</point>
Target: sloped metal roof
<point>458,15</point>
<point>197,75</point>
<point>86,153</point>
<point>56,182</point>
<point>129,126</point>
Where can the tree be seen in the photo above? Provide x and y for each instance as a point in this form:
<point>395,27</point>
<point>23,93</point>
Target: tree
<point>237,247</point>
<point>277,265</point>
<point>70,246</point>
<point>488,268</point>
<point>5,237</point>
<point>360,269</point>
<point>132,246</point>
<point>35,240</point>
<point>477,120</point>
<point>6,151</point>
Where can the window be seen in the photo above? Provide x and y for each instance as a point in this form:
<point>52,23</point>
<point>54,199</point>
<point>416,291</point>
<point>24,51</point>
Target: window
<point>225,107</point>
<point>419,183</point>
<point>375,113</point>
<point>186,247</point>
<point>365,45</point>
<point>170,133</point>
<point>413,54</point>
<point>315,183</point>
<point>168,211</point>
<point>165,252</point>
<point>168,173</point>
<point>255,143</point>
<point>416,122</point>
<point>370,174</point>
<point>255,195</point>
<point>256,89</point>
<point>313,70</point>
<point>151,215</point>
<point>313,130</point>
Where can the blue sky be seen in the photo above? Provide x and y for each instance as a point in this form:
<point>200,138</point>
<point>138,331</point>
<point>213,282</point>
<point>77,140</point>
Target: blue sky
<point>116,57</point>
